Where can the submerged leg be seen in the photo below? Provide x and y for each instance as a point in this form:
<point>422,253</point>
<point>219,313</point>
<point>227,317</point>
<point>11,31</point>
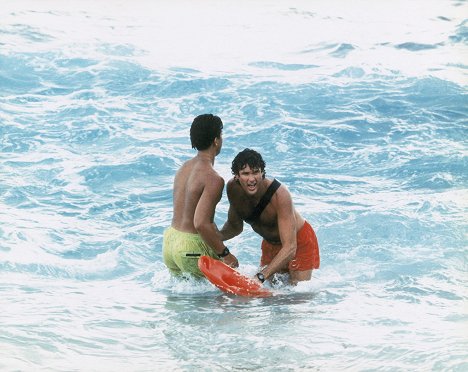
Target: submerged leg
<point>300,276</point>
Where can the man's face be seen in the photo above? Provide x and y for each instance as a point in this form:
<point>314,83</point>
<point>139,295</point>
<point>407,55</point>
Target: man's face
<point>250,179</point>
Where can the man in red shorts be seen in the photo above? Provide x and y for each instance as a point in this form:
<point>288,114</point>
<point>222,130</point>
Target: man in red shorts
<point>289,242</point>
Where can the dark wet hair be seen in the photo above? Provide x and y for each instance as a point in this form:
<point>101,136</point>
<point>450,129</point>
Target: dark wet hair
<point>248,157</point>
<point>205,128</point>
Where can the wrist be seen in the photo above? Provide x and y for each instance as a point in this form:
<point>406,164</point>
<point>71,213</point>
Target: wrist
<point>224,253</point>
<point>260,277</point>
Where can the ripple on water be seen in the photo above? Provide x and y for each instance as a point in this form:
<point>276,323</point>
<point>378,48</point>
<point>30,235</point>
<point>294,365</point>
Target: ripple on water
<point>367,134</point>
<point>101,177</point>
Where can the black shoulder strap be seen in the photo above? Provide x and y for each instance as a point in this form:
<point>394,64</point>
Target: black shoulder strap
<point>263,201</point>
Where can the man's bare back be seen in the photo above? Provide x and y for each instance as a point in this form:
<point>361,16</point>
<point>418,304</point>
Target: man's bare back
<point>196,186</point>
<point>197,190</point>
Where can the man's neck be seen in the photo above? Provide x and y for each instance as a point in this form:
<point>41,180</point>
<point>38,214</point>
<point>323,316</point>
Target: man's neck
<point>206,155</point>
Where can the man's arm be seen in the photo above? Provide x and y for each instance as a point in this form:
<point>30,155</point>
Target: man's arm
<point>287,232</point>
<point>233,226</point>
<point>204,216</point>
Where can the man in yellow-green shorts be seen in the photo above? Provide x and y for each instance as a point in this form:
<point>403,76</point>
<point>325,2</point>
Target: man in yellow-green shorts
<point>196,192</point>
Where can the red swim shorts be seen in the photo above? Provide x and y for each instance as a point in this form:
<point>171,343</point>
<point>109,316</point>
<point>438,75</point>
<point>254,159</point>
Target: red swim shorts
<point>307,252</point>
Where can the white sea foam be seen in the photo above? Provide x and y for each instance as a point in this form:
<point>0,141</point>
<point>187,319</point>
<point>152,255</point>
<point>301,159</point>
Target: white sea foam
<point>359,109</point>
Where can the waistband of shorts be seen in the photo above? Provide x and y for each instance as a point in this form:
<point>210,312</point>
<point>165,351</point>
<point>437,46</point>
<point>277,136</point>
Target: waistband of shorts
<point>306,226</point>
<point>173,230</point>
<point>304,232</point>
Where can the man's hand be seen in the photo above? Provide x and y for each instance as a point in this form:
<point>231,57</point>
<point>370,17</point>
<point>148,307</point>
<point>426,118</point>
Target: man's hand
<point>231,260</point>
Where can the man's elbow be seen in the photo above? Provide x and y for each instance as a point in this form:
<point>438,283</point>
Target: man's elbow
<point>231,230</point>
<point>235,230</point>
<point>201,226</point>
<point>238,228</point>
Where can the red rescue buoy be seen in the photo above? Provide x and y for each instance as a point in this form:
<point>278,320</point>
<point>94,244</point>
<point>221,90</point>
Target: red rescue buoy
<point>229,280</point>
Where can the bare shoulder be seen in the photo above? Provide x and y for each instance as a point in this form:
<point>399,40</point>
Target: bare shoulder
<point>231,184</point>
<point>213,180</point>
<point>182,175</point>
<point>185,167</point>
<point>282,196</point>
<point>283,190</point>
<point>233,189</point>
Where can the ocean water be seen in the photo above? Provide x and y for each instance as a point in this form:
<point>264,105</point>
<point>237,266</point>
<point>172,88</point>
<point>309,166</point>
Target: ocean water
<point>360,109</point>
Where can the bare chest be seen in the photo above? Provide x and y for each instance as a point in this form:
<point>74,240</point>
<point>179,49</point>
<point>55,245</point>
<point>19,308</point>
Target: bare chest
<point>268,218</point>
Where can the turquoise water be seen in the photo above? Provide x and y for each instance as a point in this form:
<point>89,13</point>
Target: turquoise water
<point>361,110</point>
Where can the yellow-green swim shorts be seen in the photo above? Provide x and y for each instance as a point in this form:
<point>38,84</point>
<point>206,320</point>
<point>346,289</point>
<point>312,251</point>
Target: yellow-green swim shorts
<point>181,251</point>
